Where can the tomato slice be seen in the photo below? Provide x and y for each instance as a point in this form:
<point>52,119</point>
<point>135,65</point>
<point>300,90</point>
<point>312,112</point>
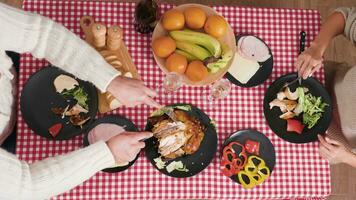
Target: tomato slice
<point>252,147</point>
<point>55,129</point>
<point>294,126</point>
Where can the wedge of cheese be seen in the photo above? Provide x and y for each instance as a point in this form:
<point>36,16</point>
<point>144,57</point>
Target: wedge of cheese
<point>243,69</point>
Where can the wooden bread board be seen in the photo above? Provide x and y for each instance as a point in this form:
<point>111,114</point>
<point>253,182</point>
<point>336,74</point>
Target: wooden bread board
<point>120,59</point>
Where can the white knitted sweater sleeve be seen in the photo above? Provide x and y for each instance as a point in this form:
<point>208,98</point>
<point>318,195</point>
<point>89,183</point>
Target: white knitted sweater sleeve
<point>25,32</point>
<point>52,176</point>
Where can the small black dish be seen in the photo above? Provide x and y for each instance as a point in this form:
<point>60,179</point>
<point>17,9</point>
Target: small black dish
<point>267,152</point>
<point>279,126</point>
<point>195,162</point>
<point>113,119</point>
<point>39,96</point>
<point>260,76</point>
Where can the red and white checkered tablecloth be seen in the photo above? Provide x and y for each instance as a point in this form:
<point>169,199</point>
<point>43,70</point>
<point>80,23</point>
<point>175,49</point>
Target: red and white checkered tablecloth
<point>299,171</point>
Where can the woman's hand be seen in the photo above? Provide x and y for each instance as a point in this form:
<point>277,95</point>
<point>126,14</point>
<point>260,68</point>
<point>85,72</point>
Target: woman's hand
<point>309,61</point>
<point>333,150</point>
<point>127,145</point>
<point>131,92</point>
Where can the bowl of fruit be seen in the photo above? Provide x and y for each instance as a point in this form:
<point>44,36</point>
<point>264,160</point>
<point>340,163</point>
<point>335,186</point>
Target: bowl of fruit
<point>195,42</point>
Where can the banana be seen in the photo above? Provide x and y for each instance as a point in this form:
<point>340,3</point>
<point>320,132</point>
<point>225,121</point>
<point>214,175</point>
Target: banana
<point>189,56</point>
<point>202,39</point>
<point>193,49</point>
<point>226,56</point>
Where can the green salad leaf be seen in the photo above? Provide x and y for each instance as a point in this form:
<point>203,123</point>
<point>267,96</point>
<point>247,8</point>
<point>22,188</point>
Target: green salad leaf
<point>313,107</point>
<point>159,163</point>
<point>161,111</point>
<point>213,123</point>
<point>176,165</point>
<point>79,95</point>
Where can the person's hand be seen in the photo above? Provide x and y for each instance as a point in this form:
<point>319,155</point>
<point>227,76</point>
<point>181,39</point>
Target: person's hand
<point>131,92</point>
<point>309,61</point>
<point>127,145</point>
<point>333,150</point>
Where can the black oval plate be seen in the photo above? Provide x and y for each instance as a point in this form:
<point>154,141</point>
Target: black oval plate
<point>267,152</point>
<point>196,162</point>
<point>279,126</point>
<point>39,96</point>
<point>121,121</point>
<point>261,75</point>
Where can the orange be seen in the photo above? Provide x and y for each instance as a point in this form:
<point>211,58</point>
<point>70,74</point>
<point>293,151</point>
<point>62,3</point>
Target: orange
<point>194,17</point>
<point>215,26</point>
<point>173,20</point>
<point>196,71</point>
<point>176,63</point>
<point>163,46</point>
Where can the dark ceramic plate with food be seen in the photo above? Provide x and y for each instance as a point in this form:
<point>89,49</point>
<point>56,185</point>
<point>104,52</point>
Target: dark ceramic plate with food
<point>58,115</point>
<point>184,147</point>
<point>123,122</point>
<point>247,152</point>
<point>297,113</point>
<point>253,62</point>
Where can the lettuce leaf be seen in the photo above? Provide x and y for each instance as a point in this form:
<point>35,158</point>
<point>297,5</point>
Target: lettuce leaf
<point>79,95</point>
<point>161,111</point>
<point>313,107</point>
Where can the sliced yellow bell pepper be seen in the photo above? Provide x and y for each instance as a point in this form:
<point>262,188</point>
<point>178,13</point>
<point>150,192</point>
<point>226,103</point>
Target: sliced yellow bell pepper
<point>246,180</point>
<point>255,172</point>
<point>251,168</point>
<point>256,161</point>
<point>258,178</point>
<point>264,172</point>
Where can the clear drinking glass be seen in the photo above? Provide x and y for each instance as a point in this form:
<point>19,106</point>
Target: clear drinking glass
<point>219,90</point>
<point>172,82</point>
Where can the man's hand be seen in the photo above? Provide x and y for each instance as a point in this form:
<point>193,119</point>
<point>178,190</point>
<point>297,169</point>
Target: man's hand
<point>131,92</point>
<point>127,145</point>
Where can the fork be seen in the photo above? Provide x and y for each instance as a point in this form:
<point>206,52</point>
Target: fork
<point>170,112</point>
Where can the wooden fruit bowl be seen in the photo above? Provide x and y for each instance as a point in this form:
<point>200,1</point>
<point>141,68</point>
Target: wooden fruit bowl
<point>228,39</point>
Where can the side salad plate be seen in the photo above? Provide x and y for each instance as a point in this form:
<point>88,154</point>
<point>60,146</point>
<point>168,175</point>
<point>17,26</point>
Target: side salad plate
<point>247,158</point>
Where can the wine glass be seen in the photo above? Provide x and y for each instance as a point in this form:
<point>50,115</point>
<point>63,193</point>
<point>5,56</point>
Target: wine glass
<point>172,82</point>
<point>219,90</point>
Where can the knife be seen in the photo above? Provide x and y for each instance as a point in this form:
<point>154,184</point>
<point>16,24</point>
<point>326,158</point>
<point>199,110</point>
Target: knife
<point>169,129</point>
<point>302,36</point>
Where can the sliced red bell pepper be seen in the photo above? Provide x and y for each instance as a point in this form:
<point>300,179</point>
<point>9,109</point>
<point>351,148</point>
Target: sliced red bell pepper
<point>252,147</point>
<point>232,161</point>
<point>55,129</point>
<point>227,168</point>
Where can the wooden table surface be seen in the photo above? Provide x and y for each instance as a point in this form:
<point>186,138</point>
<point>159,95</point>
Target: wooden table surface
<point>343,184</point>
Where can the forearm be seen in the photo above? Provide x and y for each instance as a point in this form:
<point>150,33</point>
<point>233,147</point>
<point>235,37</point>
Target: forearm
<point>51,176</point>
<point>333,26</point>
<point>26,32</point>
